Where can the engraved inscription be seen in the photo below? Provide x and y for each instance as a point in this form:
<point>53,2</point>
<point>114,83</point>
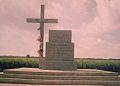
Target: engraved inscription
<point>59,46</point>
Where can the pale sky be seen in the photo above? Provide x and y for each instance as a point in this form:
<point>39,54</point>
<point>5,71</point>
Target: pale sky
<point>95,26</point>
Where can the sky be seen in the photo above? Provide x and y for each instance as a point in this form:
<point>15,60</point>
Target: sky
<point>95,26</point>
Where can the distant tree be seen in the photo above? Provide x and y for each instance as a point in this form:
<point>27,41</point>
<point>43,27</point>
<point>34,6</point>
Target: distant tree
<point>28,56</point>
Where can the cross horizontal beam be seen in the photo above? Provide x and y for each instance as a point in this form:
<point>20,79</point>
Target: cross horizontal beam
<point>36,20</point>
<point>51,20</point>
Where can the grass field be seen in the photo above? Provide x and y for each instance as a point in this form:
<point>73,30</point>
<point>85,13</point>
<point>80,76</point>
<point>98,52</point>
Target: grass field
<point>102,64</point>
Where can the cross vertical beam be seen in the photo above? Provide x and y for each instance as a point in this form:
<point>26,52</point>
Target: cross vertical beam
<point>42,31</point>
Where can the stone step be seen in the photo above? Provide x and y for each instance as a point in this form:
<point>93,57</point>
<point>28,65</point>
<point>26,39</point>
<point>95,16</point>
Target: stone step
<point>81,72</point>
<point>55,77</point>
<point>59,82</point>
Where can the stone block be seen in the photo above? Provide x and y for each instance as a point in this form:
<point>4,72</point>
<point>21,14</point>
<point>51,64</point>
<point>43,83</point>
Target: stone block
<point>60,51</point>
<point>59,65</point>
<point>59,36</point>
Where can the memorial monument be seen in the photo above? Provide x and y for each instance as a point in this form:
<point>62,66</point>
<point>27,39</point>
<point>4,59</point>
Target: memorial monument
<point>59,49</point>
<point>59,57</point>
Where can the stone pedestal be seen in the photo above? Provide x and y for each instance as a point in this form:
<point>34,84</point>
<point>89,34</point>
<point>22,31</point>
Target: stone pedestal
<point>59,51</point>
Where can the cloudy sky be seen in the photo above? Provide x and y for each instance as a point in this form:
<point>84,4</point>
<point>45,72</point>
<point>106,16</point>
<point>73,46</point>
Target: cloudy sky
<point>95,26</point>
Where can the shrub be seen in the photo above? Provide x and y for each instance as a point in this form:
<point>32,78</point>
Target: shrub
<point>8,63</point>
<point>109,65</point>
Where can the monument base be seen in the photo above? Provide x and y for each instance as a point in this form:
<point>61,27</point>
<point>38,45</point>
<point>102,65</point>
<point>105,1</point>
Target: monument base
<point>59,65</point>
<point>59,77</point>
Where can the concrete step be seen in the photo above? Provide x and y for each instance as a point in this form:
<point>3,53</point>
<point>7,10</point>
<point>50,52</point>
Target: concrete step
<point>55,77</point>
<point>59,82</point>
<point>81,72</point>
<point>10,84</point>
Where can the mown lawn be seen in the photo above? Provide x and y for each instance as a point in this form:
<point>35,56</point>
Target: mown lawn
<point>13,62</point>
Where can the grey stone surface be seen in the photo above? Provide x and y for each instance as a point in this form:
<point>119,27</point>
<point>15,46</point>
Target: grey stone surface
<point>59,51</point>
<point>5,84</point>
<point>60,36</point>
<point>59,65</point>
<point>59,77</point>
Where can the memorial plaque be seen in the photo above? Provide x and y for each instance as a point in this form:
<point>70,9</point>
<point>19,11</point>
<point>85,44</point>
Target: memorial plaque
<point>60,36</point>
<point>60,51</point>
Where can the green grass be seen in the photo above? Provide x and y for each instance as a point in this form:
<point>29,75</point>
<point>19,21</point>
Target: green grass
<point>13,62</point>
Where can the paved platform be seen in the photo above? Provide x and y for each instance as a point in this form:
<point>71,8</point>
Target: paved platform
<point>81,72</point>
<point>35,76</point>
<point>42,85</point>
